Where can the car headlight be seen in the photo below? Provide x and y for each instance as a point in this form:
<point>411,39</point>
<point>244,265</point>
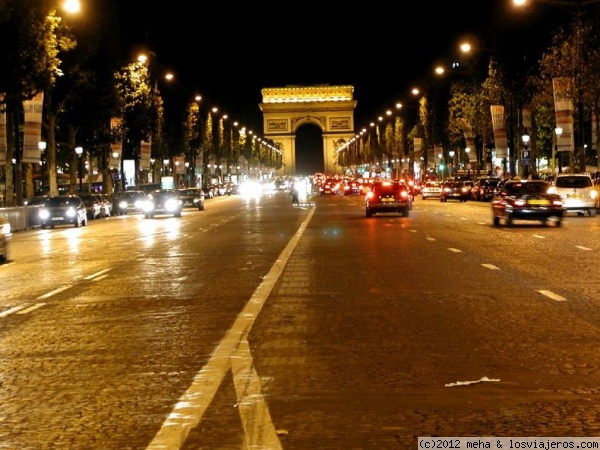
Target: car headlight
<point>172,204</point>
<point>148,206</point>
<point>123,204</point>
<point>71,212</point>
<point>44,214</point>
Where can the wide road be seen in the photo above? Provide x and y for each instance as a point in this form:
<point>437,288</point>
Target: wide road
<point>256,324</point>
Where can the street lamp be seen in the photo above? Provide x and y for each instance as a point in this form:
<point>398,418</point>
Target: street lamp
<point>79,151</point>
<point>452,167</point>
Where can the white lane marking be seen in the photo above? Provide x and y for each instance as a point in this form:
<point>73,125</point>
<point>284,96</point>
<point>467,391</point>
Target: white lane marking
<point>31,308</point>
<point>491,266</point>
<point>101,277</point>
<point>412,231</point>
<point>455,250</point>
<point>192,405</point>
<point>539,236</point>
<point>581,247</point>
<point>552,295</point>
<point>54,292</point>
<point>430,239</point>
<point>94,275</point>
<point>11,310</point>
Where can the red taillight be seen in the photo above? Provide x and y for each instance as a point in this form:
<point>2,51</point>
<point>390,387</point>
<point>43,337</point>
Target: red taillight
<point>370,194</point>
<point>403,194</point>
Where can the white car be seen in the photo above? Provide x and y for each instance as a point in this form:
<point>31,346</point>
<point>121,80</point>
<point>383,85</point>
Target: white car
<point>431,189</point>
<point>5,233</point>
<point>577,192</point>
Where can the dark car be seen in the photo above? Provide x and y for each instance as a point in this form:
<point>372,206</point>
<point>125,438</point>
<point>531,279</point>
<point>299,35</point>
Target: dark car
<point>456,190</point>
<point>527,200</point>
<point>34,205</point>
<point>130,202</point>
<point>191,197</point>
<point>388,197</point>
<point>483,189</point>
<point>63,210</point>
<point>163,201</point>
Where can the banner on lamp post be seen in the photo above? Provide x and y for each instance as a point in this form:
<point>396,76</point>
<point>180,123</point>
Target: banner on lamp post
<point>116,147</point>
<point>469,134</point>
<point>563,109</point>
<point>499,127</point>
<point>145,155</point>
<point>417,149</point>
<point>32,132</point>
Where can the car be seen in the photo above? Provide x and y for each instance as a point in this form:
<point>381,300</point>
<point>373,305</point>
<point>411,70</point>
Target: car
<point>483,189</point>
<point>130,202</point>
<point>191,197</point>
<point>163,201</point>
<point>455,190</point>
<point>353,187</point>
<point>5,234</point>
<point>577,191</point>
<point>527,200</point>
<point>388,197</point>
<point>34,205</point>
<point>329,187</point>
<point>62,210</point>
<point>431,189</point>
<point>93,205</point>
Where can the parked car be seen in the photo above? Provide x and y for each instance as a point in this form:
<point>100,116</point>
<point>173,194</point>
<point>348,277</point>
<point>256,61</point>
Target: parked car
<point>107,205</point>
<point>5,234</point>
<point>63,209</point>
<point>388,197</point>
<point>163,201</point>
<point>577,192</point>
<point>483,189</point>
<point>527,200</point>
<point>455,190</point>
<point>431,189</point>
<point>191,197</point>
<point>93,205</point>
<point>130,202</point>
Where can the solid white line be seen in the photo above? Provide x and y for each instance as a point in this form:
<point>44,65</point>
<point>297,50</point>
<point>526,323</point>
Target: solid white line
<point>455,250</point>
<point>490,266</point>
<point>89,277</point>
<point>190,408</point>
<point>580,247</point>
<point>31,308</point>
<point>539,236</point>
<point>11,310</point>
<point>552,295</point>
<point>54,292</point>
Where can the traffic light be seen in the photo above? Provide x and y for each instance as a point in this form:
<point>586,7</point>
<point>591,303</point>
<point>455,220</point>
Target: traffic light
<point>441,167</point>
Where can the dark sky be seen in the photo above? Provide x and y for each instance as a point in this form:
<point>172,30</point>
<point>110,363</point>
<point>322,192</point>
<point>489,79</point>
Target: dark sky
<point>230,52</point>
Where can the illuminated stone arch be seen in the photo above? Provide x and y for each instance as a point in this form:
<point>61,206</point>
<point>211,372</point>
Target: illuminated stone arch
<point>286,109</point>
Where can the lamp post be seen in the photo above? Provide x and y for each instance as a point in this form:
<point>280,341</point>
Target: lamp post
<point>451,165</point>
<point>42,147</point>
<point>79,151</point>
<point>557,131</point>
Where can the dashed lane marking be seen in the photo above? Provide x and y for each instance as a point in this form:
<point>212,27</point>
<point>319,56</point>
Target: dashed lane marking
<point>552,295</point>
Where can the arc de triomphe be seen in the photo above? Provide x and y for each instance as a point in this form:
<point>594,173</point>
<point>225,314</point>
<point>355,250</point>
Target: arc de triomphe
<point>331,108</point>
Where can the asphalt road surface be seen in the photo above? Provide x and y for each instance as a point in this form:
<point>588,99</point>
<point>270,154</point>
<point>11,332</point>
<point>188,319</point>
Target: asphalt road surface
<point>258,324</point>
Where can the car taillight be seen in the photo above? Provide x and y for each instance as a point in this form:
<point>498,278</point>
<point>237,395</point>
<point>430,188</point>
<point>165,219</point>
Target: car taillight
<point>403,194</point>
<point>520,202</point>
<point>557,203</point>
<point>370,194</point>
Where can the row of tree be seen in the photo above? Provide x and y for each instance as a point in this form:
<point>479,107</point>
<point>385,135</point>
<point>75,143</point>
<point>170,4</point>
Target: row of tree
<point>517,80</point>
<point>76,63</point>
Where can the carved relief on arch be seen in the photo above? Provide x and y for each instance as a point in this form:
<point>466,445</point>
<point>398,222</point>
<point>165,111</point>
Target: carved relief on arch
<point>320,121</point>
